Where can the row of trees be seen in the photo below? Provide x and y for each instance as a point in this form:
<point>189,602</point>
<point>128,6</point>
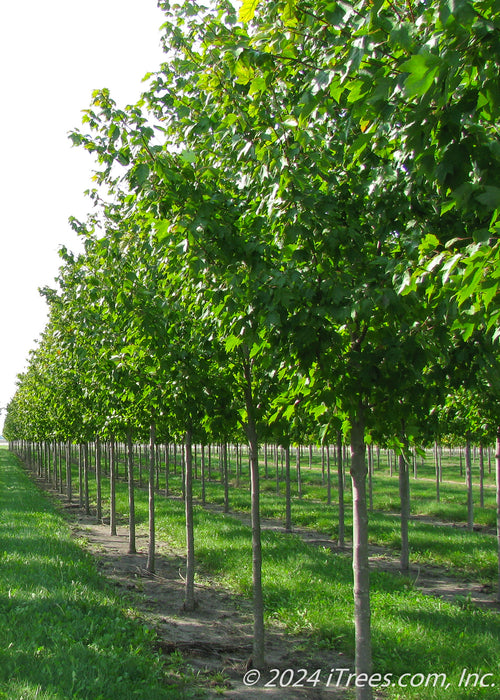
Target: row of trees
<point>294,234</point>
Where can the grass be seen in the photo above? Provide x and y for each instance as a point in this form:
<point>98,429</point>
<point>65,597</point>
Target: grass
<point>468,555</point>
<point>309,590</point>
<point>64,634</point>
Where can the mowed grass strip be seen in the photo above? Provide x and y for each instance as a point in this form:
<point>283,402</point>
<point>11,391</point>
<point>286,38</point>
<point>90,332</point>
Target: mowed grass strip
<point>63,632</point>
<point>309,590</point>
<point>466,555</point>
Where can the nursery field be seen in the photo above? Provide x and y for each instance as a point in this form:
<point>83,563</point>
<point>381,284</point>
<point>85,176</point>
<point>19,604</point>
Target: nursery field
<point>64,631</point>
<point>292,240</point>
<point>423,646</point>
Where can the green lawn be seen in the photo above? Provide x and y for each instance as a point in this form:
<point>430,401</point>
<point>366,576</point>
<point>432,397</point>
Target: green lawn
<point>63,632</point>
<point>309,589</point>
<point>467,555</point>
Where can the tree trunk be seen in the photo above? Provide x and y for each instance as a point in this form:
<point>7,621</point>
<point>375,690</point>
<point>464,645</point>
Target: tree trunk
<point>340,473</point>
<point>150,565</point>
<point>98,487</point>
<point>277,465</point>
<point>80,474</point>
<point>362,613</point>
<point>226,477</point>
<point>299,472</point>
<point>131,499</point>
<point>167,470</point>
<point>468,476</point>
<point>288,492</point>
<point>203,493</point>
<point>140,466</point>
<point>258,602</point>
<point>498,507</point>
<point>61,478</point>
<point>436,463</point>
<point>328,477</point>
<point>189,602</point>
<point>68,472</point>
<point>370,478</point>
<point>481,475</point>
<point>404,495</point>
<point>112,487</point>
<point>86,476</point>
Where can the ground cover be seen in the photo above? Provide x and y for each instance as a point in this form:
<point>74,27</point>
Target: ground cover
<point>309,590</point>
<point>437,531</point>
<point>64,632</point>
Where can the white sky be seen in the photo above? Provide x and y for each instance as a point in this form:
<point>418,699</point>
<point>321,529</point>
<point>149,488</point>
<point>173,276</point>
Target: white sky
<point>53,54</point>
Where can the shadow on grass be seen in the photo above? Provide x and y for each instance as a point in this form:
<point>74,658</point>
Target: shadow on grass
<point>63,631</point>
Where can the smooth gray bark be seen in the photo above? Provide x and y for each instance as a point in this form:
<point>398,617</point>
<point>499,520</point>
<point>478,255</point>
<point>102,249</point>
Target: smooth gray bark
<point>481,475</point>
<point>299,472</point>
<point>328,477</point>
<point>258,659</point>
<point>438,478</point>
<point>226,477</point>
<point>131,498</point>
<point>86,477</point>
<point>360,562</point>
<point>150,565</point>
<point>468,477</point>
<point>69,491</point>
<point>498,507</point>
<point>340,475</point>
<point>112,487</point>
<point>189,601</point>
<point>167,470</point>
<point>404,496</point>
<point>288,492</point>
<point>98,485</point>
<point>203,491</point>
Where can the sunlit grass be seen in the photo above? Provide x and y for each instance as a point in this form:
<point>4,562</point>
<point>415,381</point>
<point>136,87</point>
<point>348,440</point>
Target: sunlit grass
<point>464,554</point>
<point>309,591</point>
<point>64,634</point>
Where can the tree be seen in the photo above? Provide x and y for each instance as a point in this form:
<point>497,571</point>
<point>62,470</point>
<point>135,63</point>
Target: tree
<point>421,80</point>
<point>290,174</point>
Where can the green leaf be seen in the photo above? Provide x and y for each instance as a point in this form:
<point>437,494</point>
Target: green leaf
<point>488,294</point>
<point>471,287</point>
<point>141,173</point>
<point>450,265</point>
<point>490,197</point>
<point>247,10</point>
<point>188,156</point>
<point>244,73</point>
<point>422,69</point>
<point>468,329</point>
<point>162,230</point>
<point>232,342</point>
<point>319,411</point>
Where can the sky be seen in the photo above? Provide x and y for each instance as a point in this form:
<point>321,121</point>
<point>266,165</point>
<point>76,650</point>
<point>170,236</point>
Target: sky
<point>53,54</point>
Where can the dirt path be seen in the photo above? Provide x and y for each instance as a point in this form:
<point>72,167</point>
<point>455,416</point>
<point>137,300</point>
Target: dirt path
<point>216,639</point>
